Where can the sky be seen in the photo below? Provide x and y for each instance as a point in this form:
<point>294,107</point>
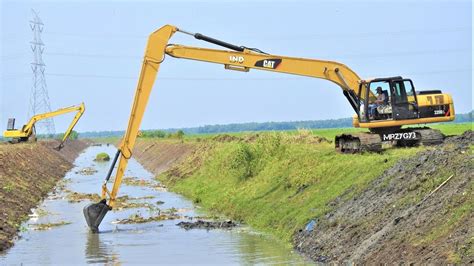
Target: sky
<point>94,49</point>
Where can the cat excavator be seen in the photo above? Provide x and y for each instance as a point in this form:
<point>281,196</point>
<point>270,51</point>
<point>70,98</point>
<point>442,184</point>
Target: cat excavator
<point>402,104</point>
<point>28,132</point>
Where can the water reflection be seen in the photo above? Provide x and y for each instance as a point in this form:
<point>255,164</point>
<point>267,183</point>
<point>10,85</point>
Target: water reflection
<point>98,251</point>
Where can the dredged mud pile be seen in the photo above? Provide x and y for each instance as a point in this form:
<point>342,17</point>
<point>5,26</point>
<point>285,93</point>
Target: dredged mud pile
<point>208,225</point>
<point>419,211</point>
<point>28,172</point>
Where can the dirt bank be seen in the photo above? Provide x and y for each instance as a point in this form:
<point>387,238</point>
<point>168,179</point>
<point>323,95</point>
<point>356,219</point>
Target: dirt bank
<point>419,211</point>
<point>160,156</point>
<point>28,171</point>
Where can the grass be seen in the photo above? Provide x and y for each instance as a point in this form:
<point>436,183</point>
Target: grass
<point>102,157</point>
<point>9,187</point>
<point>276,184</point>
<point>453,128</point>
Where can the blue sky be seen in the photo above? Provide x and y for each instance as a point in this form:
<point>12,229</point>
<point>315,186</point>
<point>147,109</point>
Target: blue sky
<point>94,51</point>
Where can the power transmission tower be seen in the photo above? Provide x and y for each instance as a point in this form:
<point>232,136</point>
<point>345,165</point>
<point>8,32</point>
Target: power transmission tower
<point>39,98</point>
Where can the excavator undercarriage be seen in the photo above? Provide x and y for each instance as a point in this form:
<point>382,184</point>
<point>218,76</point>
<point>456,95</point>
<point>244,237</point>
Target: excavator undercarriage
<point>377,140</point>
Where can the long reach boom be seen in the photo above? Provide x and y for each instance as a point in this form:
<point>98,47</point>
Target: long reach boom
<point>405,108</point>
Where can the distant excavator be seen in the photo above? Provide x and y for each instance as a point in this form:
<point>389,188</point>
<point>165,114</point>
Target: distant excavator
<point>28,131</point>
<point>401,104</point>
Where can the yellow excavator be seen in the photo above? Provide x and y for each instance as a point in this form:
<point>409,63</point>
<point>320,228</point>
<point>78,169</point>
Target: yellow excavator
<point>384,115</point>
<point>28,132</point>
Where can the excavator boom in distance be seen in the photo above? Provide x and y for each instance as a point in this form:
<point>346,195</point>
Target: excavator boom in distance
<point>384,115</point>
<point>27,132</point>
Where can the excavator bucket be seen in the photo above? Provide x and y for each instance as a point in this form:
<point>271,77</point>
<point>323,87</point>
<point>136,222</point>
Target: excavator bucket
<point>94,213</point>
<point>59,147</point>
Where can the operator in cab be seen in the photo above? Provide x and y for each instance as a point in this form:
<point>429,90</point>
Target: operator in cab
<point>379,101</point>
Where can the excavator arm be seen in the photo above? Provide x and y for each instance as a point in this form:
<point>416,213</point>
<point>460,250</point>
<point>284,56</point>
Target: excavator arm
<point>27,130</point>
<point>80,111</point>
<point>154,55</point>
<point>241,58</point>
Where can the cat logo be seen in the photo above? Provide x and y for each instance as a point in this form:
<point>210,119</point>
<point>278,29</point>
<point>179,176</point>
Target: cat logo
<point>268,63</point>
<point>236,59</point>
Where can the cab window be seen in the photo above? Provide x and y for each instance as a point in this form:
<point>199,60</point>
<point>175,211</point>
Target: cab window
<point>399,93</point>
<point>384,85</point>
<point>362,101</point>
<point>411,97</point>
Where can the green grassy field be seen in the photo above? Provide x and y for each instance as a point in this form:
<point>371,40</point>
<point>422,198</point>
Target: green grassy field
<point>453,128</point>
<point>330,133</point>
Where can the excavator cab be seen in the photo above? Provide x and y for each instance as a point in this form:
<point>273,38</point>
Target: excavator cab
<point>398,101</point>
<point>11,124</point>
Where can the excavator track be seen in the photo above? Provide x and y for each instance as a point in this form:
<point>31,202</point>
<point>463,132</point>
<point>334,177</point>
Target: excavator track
<point>376,141</point>
<point>430,136</point>
<point>358,142</point>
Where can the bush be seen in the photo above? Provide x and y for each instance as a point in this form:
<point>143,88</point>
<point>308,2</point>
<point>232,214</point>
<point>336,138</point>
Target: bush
<point>177,135</point>
<point>153,134</point>
<point>73,136</point>
<point>241,162</point>
<point>102,157</point>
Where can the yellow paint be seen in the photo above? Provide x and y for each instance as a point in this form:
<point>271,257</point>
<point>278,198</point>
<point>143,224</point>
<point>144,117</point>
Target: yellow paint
<point>27,130</point>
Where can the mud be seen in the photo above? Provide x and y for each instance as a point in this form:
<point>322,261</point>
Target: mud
<point>74,197</point>
<point>135,181</point>
<point>47,226</point>
<point>138,218</point>
<point>28,171</point>
<point>403,216</point>
<point>208,225</point>
<point>87,171</point>
<point>122,202</point>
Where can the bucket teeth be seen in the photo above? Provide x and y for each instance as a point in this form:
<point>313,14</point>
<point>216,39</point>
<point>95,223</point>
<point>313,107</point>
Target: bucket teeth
<point>94,213</point>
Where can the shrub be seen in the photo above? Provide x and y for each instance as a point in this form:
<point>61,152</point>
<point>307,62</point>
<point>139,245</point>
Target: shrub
<point>102,157</point>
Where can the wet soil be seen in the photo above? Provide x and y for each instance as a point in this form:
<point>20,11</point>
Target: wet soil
<point>201,224</point>
<point>137,218</point>
<point>28,171</point>
<point>419,211</point>
<point>47,226</point>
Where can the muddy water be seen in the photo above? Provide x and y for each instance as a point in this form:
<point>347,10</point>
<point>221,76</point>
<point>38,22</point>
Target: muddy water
<point>156,242</point>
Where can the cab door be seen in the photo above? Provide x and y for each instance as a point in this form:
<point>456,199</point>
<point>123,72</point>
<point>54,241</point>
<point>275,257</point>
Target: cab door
<point>403,97</point>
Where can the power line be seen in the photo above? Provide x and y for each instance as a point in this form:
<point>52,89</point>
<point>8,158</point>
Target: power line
<point>306,36</point>
<point>360,55</point>
<point>92,55</point>
<point>225,79</point>
<point>361,35</point>
<point>353,35</point>
<point>164,78</point>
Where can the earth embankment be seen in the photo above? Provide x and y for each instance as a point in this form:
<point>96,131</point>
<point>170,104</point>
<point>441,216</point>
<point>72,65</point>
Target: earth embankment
<point>28,172</point>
